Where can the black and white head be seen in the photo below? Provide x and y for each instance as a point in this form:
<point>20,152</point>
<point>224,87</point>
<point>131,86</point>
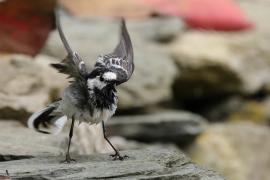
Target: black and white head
<point>114,68</point>
<point>109,71</point>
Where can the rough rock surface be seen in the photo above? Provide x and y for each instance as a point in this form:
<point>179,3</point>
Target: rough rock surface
<point>155,71</point>
<point>27,85</point>
<point>169,126</point>
<point>235,150</point>
<point>17,140</point>
<point>30,155</point>
<point>213,64</point>
<point>150,163</point>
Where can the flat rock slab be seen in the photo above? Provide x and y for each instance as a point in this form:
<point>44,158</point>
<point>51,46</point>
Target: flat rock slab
<point>150,163</point>
<point>170,126</point>
<point>18,142</point>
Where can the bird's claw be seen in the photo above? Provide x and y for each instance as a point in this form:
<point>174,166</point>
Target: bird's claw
<point>68,160</point>
<point>117,156</point>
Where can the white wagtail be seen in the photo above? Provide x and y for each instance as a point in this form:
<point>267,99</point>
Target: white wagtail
<point>91,96</point>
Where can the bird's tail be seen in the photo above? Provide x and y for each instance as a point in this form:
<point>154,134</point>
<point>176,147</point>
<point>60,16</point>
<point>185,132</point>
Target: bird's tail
<point>47,121</point>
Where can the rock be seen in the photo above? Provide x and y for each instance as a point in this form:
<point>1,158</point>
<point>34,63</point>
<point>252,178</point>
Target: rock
<point>31,155</point>
<point>27,85</point>
<point>16,140</point>
<point>159,29</point>
<point>222,64</point>
<point>252,111</point>
<point>256,111</point>
<point>220,109</point>
<point>150,163</point>
<point>19,142</point>
<point>238,151</point>
<point>237,108</point>
<point>175,127</point>
<point>116,8</point>
<point>91,37</point>
<point>216,63</point>
<point>169,127</point>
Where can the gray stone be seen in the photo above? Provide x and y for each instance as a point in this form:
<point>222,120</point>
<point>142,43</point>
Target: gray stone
<point>26,154</point>
<point>217,63</point>
<point>27,84</point>
<point>17,141</point>
<point>154,74</point>
<point>169,126</point>
<point>239,151</point>
<point>159,29</point>
<point>150,163</point>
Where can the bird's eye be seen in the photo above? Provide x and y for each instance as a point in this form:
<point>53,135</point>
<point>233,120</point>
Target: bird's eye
<point>101,78</point>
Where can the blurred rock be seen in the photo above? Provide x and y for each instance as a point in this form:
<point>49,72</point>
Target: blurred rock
<point>27,85</point>
<point>238,151</point>
<point>17,141</point>
<point>222,108</point>
<point>150,163</point>
<point>256,111</point>
<point>171,127</point>
<point>160,29</point>
<point>155,71</point>
<point>213,63</point>
<point>115,8</point>
<point>237,108</point>
<point>253,111</point>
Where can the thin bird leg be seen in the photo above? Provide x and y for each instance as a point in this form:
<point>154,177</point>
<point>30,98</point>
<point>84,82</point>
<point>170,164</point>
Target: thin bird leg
<point>117,155</point>
<point>68,158</point>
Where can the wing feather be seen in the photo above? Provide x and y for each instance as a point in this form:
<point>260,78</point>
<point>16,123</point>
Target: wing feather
<point>120,61</point>
<point>72,65</point>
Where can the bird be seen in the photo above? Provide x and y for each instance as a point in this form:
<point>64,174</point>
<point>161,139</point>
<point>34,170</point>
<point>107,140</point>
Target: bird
<point>91,96</point>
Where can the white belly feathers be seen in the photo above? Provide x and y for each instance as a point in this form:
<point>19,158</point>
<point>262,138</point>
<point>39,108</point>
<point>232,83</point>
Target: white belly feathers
<point>68,108</point>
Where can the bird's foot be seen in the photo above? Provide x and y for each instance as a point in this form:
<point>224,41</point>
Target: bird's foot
<point>117,156</point>
<point>68,160</point>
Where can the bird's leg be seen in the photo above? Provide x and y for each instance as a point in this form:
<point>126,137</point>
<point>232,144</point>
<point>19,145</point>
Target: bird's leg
<point>68,158</point>
<point>117,155</point>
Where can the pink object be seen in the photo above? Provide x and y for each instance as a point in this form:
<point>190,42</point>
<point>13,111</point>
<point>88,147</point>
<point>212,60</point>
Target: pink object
<point>204,14</point>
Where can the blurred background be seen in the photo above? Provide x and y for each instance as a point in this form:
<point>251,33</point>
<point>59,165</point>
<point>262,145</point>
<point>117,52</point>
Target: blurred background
<point>201,83</point>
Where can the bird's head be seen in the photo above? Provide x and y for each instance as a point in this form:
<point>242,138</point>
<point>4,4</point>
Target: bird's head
<point>101,78</point>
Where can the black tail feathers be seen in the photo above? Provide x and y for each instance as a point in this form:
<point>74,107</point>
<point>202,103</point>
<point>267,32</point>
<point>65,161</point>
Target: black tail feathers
<point>45,121</point>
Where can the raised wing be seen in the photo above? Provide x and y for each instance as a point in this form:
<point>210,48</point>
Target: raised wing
<point>121,60</point>
<point>72,65</point>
